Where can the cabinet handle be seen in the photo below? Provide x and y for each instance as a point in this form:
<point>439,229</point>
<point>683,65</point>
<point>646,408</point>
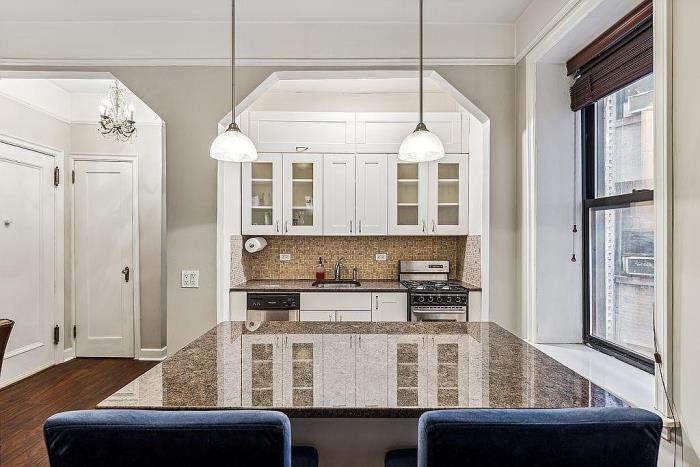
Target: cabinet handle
<point>277,226</point>
<point>359,340</point>
<point>302,148</point>
<point>286,227</point>
<point>433,225</point>
<point>376,303</point>
<point>359,226</point>
<point>351,342</point>
<point>350,226</point>
<point>423,221</point>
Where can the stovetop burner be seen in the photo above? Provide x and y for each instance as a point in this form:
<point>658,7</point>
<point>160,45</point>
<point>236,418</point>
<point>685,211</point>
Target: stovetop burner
<point>433,286</point>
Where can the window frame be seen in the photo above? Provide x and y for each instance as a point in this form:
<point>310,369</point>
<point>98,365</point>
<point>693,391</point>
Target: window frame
<point>590,204</point>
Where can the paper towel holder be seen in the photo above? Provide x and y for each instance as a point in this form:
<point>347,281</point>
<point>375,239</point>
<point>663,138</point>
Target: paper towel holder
<point>255,244</point>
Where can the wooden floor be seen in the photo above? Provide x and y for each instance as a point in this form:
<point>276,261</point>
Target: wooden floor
<point>78,384</point>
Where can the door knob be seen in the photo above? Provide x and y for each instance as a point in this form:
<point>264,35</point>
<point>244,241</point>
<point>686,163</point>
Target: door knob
<point>125,271</point>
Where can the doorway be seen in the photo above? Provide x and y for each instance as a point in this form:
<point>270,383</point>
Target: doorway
<point>105,256</point>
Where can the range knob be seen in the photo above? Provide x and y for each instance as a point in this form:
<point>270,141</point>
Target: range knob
<point>448,299</point>
<point>421,299</point>
<point>430,298</point>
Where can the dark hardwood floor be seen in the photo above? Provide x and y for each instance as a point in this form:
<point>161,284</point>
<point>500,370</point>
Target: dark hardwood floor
<point>78,384</point>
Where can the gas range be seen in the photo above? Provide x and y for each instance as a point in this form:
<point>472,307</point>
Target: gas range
<point>431,296</point>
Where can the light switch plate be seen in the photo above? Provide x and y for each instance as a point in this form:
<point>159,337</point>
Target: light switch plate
<point>380,257</point>
<point>190,279</point>
<point>285,257</point>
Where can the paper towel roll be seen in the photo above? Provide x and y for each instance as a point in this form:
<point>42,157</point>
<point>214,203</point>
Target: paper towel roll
<point>255,244</point>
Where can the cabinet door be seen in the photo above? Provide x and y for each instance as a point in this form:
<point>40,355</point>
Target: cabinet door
<point>371,370</point>
<point>338,370</point>
<point>448,371</point>
<point>261,199</point>
<point>317,315</point>
<point>390,307</point>
<point>371,194</point>
<point>407,369</point>
<point>228,362</point>
<point>448,196</point>
<point>303,197</point>
<point>407,197</point>
<point>339,194</point>
<point>384,131</point>
<point>302,370</point>
<point>353,315</point>
<point>261,371</point>
<point>303,131</point>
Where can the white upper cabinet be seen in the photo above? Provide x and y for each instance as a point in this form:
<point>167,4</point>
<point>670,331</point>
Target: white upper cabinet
<point>407,197</point>
<point>448,195</point>
<point>371,194</point>
<point>317,132</point>
<point>303,194</point>
<point>384,131</point>
<point>262,198</point>
<point>339,194</point>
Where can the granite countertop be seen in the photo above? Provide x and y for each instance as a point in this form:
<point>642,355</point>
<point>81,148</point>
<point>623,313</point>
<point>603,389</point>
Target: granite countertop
<point>304,285</point>
<point>313,369</point>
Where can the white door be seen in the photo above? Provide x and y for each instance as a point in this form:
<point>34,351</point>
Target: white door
<point>371,370</point>
<point>303,197</point>
<point>302,370</point>
<point>339,370</point>
<point>104,251</point>
<point>448,371</point>
<point>448,195</point>
<point>27,259</point>
<point>261,355</point>
<point>407,368</point>
<point>261,199</point>
<point>390,307</point>
<point>407,197</point>
<point>339,194</point>
<point>370,190</point>
<point>384,131</point>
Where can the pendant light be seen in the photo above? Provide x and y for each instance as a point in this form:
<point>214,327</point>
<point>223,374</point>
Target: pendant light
<point>421,145</point>
<point>232,145</point>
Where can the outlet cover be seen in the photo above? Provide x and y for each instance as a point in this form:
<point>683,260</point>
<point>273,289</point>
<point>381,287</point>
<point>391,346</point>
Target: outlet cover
<point>380,257</point>
<point>285,257</point>
<point>190,279</point>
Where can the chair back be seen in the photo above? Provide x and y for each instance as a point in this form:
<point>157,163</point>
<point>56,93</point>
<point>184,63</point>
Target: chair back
<point>111,438</point>
<point>604,437</point>
<point>5,330</point>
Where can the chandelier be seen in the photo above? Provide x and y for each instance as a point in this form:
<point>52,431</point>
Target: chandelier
<point>117,115</point>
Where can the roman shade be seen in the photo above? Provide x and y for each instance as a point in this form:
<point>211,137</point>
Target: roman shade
<point>621,55</point>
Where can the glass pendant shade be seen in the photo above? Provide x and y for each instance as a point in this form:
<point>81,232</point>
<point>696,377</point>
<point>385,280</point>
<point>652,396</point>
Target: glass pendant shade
<point>233,146</point>
<point>421,146</point>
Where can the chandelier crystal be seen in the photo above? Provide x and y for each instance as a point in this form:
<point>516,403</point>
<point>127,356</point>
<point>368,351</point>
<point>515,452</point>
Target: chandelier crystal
<point>117,115</point>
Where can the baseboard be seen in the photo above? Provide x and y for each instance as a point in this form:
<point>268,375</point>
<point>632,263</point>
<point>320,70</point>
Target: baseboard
<point>17,378</point>
<point>157,355</point>
<point>68,354</point>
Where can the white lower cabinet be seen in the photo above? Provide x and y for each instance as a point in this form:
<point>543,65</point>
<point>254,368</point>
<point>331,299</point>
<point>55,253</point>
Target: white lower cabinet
<point>317,315</point>
<point>371,370</point>
<point>407,379</point>
<point>353,315</point>
<point>389,307</point>
<point>338,370</point>
<point>302,370</point>
<point>447,386</point>
<point>261,370</point>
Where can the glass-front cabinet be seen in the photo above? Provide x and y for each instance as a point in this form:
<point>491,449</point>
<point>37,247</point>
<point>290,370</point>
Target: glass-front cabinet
<point>429,198</point>
<point>282,195</point>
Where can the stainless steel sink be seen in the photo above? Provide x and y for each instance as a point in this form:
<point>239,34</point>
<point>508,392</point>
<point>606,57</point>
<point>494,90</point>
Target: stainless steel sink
<point>336,284</point>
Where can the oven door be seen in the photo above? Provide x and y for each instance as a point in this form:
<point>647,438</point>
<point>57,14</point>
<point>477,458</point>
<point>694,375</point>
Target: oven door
<point>438,313</point>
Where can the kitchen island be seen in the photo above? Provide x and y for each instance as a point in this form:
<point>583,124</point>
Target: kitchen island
<point>356,389</point>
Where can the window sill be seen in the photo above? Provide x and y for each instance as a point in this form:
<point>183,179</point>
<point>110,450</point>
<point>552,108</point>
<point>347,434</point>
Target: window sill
<point>631,384</point>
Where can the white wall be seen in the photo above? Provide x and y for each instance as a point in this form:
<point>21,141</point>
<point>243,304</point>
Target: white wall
<point>558,300</point>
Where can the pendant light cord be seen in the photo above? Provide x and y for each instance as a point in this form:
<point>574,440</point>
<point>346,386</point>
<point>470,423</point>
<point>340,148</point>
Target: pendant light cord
<point>420,56</point>
<point>233,61</point>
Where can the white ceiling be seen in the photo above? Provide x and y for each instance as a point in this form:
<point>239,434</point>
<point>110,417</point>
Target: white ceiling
<point>445,11</point>
<point>355,86</point>
<point>83,86</point>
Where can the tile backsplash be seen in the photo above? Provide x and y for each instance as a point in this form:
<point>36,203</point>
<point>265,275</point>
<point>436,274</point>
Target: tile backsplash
<point>464,254</point>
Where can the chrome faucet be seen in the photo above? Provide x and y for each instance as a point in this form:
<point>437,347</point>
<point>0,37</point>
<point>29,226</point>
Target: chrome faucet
<point>338,268</point>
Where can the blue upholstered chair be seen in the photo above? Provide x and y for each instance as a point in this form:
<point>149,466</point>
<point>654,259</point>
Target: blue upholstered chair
<point>527,437</point>
<point>237,438</point>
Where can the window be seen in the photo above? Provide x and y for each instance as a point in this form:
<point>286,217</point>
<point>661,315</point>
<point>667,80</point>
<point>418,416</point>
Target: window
<point>618,222</point>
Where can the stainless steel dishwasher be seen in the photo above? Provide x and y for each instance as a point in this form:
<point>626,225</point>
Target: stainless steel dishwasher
<point>272,307</point>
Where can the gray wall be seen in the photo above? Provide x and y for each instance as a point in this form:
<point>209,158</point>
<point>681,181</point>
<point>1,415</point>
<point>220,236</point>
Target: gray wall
<point>192,100</point>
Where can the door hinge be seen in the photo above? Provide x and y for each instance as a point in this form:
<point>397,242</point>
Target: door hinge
<point>56,176</point>
<point>56,335</point>
<point>75,331</point>
<point>72,176</point>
